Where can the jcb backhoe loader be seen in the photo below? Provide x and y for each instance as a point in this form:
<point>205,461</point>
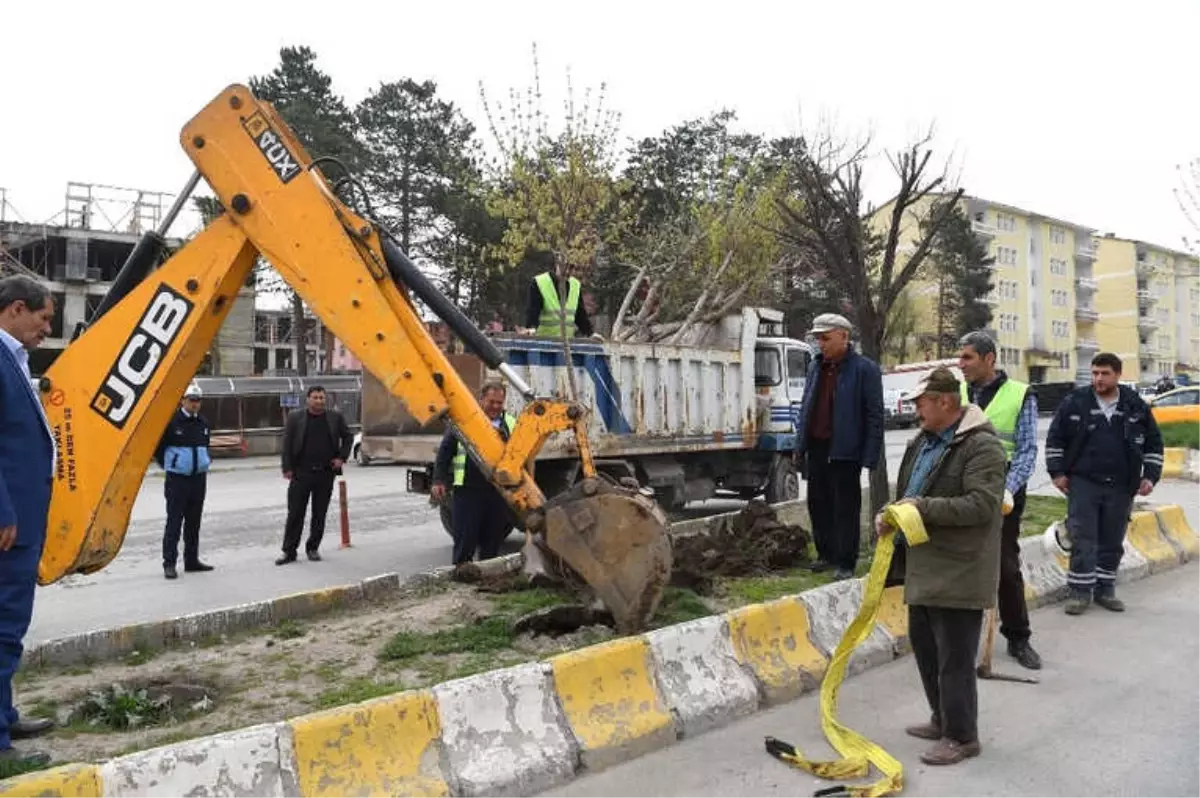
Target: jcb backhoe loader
<point>110,394</point>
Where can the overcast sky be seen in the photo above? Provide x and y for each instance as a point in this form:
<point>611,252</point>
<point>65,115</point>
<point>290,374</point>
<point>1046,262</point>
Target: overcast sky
<point>1076,110</point>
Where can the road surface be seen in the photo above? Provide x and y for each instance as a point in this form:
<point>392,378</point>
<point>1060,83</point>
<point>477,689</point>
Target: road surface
<point>1117,713</point>
<point>391,531</point>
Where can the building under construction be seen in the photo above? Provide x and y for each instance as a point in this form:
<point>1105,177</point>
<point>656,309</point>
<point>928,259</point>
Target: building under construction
<point>78,252</point>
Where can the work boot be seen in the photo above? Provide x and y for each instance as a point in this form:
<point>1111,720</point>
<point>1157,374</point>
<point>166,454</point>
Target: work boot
<point>314,555</point>
<point>169,572</point>
<point>926,731</point>
<point>1077,602</point>
<point>197,566</point>
<point>285,559</point>
<point>28,759</point>
<point>950,752</point>
<point>1106,597</point>
<point>25,728</point>
<point>1023,653</point>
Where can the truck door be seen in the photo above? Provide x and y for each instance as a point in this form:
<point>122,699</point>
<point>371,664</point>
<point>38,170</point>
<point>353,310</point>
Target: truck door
<point>797,361</point>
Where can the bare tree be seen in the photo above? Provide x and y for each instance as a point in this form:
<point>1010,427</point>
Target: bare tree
<point>860,247</point>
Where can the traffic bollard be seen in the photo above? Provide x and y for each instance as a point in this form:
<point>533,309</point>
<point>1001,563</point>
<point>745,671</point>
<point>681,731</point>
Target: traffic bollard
<point>345,514</point>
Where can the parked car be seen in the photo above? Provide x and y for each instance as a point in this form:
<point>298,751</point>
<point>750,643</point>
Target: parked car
<point>1181,404</point>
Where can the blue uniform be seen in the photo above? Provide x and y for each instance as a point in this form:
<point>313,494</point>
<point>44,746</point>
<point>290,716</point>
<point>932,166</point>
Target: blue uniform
<point>183,453</point>
<point>26,475</point>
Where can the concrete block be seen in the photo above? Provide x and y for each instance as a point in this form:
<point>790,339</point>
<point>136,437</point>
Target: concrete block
<point>1174,462</point>
<point>1173,524</point>
<point>892,617</point>
<point>700,678</point>
<point>249,762</point>
<point>315,602</point>
<point>1144,534</point>
<point>831,608</point>
<point>1133,565</point>
<point>79,781</point>
<point>611,703</point>
<point>1043,570</point>
<point>773,641</point>
<point>387,746</point>
<point>504,733</point>
<point>379,587</point>
<point>203,625</point>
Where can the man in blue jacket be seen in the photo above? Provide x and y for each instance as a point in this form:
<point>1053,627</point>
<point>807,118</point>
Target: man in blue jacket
<point>183,454</point>
<point>1103,448</point>
<point>840,432</point>
<point>26,478</point>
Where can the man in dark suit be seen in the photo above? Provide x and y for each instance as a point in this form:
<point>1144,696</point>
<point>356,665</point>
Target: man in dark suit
<point>26,478</point>
<point>316,443</point>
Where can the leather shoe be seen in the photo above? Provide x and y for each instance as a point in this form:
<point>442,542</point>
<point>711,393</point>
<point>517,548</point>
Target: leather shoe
<point>285,559</point>
<point>29,727</point>
<point>197,566</point>
<point>950,752</point>
<point>926,731</point>
<point>169,572</point>
<point>315,556</point>
<point>27,758</point>
<point>1024,654</point>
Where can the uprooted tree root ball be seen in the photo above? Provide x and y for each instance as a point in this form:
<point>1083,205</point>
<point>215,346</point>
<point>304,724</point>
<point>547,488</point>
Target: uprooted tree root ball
<point>754,542</point>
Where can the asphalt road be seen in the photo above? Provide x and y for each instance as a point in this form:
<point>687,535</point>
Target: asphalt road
<point>1117,713</point>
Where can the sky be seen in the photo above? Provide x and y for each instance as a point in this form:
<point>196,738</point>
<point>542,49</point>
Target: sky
<point>1075,110</point>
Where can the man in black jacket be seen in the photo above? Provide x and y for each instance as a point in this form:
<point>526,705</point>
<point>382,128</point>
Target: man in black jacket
<point>1103,447</point>
<point>183,454</point>
<point>316,443</point>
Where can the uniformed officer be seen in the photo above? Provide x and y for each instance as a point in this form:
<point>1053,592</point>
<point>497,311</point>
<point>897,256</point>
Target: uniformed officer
<point>1012,408</point>
<point>480,516</point>
<point>183,454</point>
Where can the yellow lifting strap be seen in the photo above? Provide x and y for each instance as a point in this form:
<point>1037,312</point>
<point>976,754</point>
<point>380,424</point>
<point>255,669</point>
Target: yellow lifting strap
<point>858,753</point>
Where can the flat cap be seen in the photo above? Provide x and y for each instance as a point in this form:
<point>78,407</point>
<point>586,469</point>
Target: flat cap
<point>830,321</point>
<point>940,380</point>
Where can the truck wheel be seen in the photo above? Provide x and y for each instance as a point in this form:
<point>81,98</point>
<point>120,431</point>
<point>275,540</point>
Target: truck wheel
<point>783,482</point>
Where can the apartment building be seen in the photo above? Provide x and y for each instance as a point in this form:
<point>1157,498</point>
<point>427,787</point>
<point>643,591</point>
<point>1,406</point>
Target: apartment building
<point>1149,301</point>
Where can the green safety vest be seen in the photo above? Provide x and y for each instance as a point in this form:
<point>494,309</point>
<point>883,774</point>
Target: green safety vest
<point>1003,411</point>
<point>459,463</point>
<point>549,323</point>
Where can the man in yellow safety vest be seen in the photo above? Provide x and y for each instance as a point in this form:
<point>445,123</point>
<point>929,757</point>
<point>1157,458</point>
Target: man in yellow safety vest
<point>1012,409</point>
<point>480,517</point>
<point>543,309</point>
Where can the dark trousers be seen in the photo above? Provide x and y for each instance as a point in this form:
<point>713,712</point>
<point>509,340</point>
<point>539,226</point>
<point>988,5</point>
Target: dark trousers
<point>834,505</point>
<point>306,484</point>
<point>1097,514</point>
<point>18,576</point>
<point>944,643</point>
<point>185,505</point>
<point>481,519</point>
<point>1014,615</point>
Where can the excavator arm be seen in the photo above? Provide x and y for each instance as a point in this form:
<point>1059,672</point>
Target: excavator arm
<point>111,393</point>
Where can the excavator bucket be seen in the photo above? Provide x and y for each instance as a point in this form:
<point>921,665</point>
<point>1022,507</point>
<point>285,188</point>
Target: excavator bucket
<point>615,540</point>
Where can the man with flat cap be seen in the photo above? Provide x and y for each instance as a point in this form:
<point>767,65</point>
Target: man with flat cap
<point>839,433</point>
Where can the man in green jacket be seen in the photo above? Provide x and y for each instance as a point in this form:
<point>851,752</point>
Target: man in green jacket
<point>953,473</point>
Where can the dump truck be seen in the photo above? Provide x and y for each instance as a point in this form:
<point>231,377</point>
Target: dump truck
<point>712,416</point>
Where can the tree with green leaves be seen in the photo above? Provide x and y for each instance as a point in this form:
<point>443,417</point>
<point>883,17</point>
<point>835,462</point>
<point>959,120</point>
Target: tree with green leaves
<point>959,265</point>
<point>303,95</point>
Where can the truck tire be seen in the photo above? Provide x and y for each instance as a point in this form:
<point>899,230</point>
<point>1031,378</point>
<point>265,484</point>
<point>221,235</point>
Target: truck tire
<point>783,481</point>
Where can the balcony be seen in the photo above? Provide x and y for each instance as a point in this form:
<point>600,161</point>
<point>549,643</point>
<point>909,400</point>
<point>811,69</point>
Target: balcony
<point>1145,298</point>
<point>1148,351</point>
<point>984,229</point>
<point>1084,313</point>
<point>1144,268</point>
<point>1087,345</point>
<point>1087,284</point>
<point>1085,251</point>
<point>1147,323</point>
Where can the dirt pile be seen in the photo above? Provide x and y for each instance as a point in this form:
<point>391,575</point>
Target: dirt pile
<point>754,542</point>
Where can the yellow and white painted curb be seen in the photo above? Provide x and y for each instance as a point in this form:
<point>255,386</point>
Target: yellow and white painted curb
<point>528,728</point>
<point>1181,463</point>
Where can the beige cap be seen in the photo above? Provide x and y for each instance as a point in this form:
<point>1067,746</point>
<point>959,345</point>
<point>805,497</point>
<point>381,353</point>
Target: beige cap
<point>830,321</point>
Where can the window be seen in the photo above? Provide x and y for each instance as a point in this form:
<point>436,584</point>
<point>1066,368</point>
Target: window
<point>1060,329</point>
<point>1058,298</point>
<point>767,370</point>
<point>1058,266</point>
<point>1164,316</point>
<point>1161,288</point>
<point>1010,356</point>
<point>1058,235</point>
<point>1006,256</point>
<point>1008,322</point>
<point>1064,361</point>
<point>1007,289</point>
<point>1196,319</point>
<point>1006,222</point>
<point>797,365</point>
<point>1195,294</point>
<point>1164,343</point>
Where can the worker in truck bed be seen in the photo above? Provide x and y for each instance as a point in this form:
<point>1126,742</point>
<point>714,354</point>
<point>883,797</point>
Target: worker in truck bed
<point>479,515</point>
<point>544,306</point>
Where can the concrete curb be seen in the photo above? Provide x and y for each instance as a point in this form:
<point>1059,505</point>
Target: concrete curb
<point>531,727</point>
<point>1181,463</point>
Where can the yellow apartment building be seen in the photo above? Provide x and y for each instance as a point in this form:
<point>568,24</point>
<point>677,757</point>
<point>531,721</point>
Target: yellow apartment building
<point>1149,303</point>
<point>1044,315</point>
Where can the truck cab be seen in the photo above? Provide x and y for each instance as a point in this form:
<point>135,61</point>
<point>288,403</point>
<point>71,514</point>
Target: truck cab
<point>780,374</point>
